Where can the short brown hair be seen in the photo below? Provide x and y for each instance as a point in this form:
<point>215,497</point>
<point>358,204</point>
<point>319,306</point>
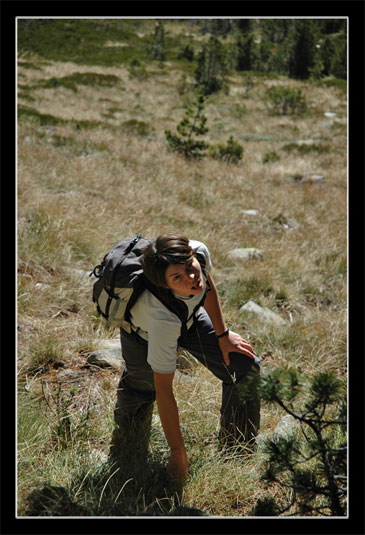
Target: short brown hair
<point>165,250</point>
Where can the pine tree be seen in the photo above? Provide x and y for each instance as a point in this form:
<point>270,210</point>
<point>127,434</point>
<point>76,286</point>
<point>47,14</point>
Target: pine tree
<point>159,42</point>
<point>192,125</point>
<point>211,71</point>
<point>339,68</point>
<point>328,53</point>
<point>310,463</point>
<point>303,51</point>
<point>245,52</point>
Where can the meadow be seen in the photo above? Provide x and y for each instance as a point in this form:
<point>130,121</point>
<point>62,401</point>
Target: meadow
<point>93,167</point>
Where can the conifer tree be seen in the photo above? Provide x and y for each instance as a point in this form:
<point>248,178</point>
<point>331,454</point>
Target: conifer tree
<point>211,71</point>
<point>303,50</point>
<point>159,42</point>
<point>192,125</point>
<point>310,464</point>
<point>245,52</point>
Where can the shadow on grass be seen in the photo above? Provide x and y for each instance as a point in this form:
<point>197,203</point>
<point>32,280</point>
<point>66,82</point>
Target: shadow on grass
<point>114,489</point>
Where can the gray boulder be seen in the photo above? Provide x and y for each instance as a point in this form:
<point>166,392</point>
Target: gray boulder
<point>263,313</point>
<point>108,354</point>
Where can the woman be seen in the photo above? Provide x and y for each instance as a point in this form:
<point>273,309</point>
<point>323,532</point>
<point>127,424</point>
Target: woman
<point>180,269</point>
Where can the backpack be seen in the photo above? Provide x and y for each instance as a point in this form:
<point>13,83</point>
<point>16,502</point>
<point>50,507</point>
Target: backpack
<point>120,281</point>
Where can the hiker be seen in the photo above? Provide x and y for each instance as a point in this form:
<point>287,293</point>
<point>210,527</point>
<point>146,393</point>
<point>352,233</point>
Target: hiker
<point>180,269</point>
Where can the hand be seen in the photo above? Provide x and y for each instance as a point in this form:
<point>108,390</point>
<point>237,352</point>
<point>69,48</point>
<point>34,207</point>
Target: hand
<point>178,465</point>
<point>234,342</point>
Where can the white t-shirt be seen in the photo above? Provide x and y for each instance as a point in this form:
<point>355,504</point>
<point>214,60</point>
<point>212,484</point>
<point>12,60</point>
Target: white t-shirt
<point>161,327</point>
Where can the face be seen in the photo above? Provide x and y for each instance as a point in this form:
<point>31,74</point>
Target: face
<point>185,279</point>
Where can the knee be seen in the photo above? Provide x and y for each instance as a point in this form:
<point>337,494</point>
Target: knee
<point>242,365</point>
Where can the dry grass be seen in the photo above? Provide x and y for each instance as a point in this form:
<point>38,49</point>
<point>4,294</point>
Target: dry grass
<point>81,190</point>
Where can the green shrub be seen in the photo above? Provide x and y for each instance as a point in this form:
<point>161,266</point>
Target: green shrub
<point>75,79</point>
<point>230,153</point>
<point>139,128</point>
<point>270,157</point>
<point>137,70</point>
<point>44,119</point>
<point>339,83</point>
<point>286,101</point>
<point>239,110</point>
<point>305,149</point>
<point>187,53</point>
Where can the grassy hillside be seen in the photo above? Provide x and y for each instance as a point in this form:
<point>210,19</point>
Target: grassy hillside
<point>94,167</point>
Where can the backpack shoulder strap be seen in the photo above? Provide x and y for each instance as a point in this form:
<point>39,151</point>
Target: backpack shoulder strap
<point>174,305</point>
<point>202,262</point>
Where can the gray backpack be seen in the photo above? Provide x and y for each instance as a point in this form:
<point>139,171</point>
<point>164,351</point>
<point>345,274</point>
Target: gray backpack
<point>120,281</point>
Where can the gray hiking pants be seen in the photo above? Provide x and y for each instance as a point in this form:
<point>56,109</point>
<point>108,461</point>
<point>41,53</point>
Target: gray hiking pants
<point>239,420</point>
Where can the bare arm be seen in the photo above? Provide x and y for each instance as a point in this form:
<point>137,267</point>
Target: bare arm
<point>169,415</point>
<point>232,342</point>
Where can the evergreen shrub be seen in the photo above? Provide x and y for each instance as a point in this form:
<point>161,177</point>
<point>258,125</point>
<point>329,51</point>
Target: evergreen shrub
<point>286,101</point>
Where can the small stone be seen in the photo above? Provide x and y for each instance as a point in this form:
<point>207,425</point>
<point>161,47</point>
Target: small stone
<point>302,142</point>
<point>68,374</point>
<point>41,286</point>
<point>330,114</point>
<point>250,212</point>
<point>290,224</point>
<point>248,253</point>
<point>179,376</point>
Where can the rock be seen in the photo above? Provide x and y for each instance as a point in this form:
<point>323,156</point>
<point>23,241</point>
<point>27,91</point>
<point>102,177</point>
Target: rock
<point>330,114</point>
<point>263,312</point>
<point>108,354</point>
<point>248,253</point>
<point>290,224</point>
<point>184,377</point>
<point>285,222</point>
<point>105,358</point>
<point>250,212</point>
<point>301,142</point>
<point>68,374</point>
<point>41,286</point>
<point>285,427</point>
